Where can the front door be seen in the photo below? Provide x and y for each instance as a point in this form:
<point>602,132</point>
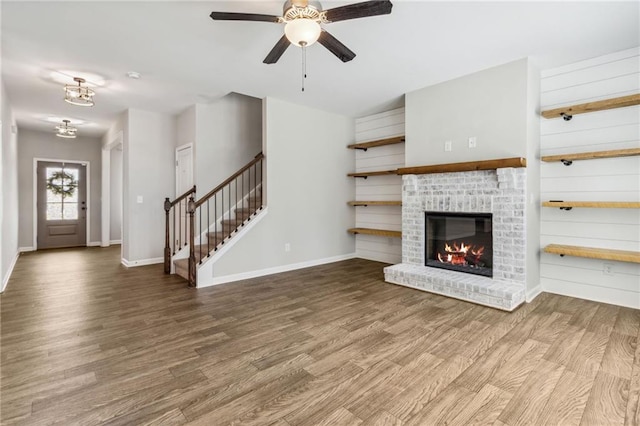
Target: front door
<point>61,204</point>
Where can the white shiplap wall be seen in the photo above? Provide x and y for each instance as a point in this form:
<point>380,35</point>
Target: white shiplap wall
<point>615,179</point>
<point>379,188</point>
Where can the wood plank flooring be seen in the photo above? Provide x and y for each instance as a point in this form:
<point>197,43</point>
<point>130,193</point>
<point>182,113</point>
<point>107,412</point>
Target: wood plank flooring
<point>86,341</point>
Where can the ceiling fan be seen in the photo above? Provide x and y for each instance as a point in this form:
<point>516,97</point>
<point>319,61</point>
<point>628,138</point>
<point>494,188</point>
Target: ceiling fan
<point>303,21</point>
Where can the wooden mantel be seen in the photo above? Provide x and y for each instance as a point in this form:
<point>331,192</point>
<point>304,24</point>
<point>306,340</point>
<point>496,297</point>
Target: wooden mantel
<point>464,167</point>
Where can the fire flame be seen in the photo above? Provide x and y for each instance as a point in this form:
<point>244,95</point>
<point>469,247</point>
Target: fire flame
<point>462,254</point>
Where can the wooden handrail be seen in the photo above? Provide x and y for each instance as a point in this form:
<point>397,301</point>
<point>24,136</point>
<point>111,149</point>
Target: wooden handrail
<point>209,194</point>
<point>182,197</point>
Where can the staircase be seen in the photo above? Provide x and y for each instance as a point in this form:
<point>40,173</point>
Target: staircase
<point>242,215</point>
<point>200,228</point>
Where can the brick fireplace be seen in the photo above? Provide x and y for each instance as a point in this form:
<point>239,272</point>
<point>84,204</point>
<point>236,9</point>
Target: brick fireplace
<point>499,194</point>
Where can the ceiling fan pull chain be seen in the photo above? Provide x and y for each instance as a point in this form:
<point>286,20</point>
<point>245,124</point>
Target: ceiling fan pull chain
<point>304,62</point>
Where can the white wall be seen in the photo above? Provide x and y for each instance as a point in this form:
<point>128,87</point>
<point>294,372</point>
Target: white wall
<point>36,144</point>
<point>490,105</point>
<point>228,135</point>
<point>308,191</point>
<point>8,189</point>
<point>379,188</point>
<point>614,179</point>
<point>115,194</point>
<point>186,126</point>
<point>148,163</point>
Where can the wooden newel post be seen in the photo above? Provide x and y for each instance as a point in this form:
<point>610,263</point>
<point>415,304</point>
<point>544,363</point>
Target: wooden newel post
<point>191,208</point>
<point>167,248</point>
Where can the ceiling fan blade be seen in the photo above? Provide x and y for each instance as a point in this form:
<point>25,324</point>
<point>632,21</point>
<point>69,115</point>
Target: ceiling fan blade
<point>359,10</point>
<point>277,50</point>
<point>231,16</point>
<point>336,47</point>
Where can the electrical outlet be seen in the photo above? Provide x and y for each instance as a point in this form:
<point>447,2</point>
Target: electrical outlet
<point>447,146</point>
<point>287,247</point>
<point>473,142</point>
<point>607,269</point>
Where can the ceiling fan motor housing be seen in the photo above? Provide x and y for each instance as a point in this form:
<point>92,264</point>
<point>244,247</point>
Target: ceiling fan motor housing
<point>296,9</point>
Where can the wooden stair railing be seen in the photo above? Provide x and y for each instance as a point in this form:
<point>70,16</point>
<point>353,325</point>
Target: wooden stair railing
<point>210,216</point>
<point>171,245</point>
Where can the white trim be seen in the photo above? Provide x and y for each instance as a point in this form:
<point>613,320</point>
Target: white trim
<point>141,262</point>
<point>35,195</point>
<point>115,242</point>
<point>277,269</point>
<point>5,279</point>
<point>533,293</point>
<point>26,249</point>
<point>94,244</point>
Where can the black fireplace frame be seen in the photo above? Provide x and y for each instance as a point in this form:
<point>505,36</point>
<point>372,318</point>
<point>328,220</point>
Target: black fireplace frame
<point>482,271</point>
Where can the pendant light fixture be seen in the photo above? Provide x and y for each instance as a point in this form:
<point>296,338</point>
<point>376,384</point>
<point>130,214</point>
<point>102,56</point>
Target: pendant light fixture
<point>64,130</point>
<point>78,94</point>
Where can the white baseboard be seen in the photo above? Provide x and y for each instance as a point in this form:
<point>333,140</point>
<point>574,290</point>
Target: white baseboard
<point>276,270</point>
<point>141,262</point>
<point>26,249</point>
<point>5,279</point>
<point>115,242</point>
<point>533,293</point>
<point>94,244</point>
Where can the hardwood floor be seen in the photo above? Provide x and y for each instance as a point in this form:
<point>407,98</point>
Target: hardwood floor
<point>86,341</point>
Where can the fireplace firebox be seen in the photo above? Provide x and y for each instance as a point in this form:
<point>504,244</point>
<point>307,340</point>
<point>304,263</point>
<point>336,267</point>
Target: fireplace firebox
<point>460,242</point>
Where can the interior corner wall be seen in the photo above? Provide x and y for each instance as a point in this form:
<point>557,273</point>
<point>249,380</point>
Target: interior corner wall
<point>115,194</point>
<point>8,189</point>
<point>149,177</point>
<point>533,181</point>
<point>489,105</point>
<point>606,179</point>
<point>36,144</point>
<point>308,191</point>
<point>380,188</point>
<point>228,135</point>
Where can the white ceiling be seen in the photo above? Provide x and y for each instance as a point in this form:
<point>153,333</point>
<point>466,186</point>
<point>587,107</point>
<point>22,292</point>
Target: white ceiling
<point>185,57</point>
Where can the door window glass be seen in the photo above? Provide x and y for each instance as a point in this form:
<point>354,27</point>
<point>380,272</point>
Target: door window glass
<point>62,193</point>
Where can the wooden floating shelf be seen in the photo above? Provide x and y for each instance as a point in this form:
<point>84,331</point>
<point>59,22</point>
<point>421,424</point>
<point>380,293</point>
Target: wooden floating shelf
<point>380,142</point>
<point>378,173</point>
<point>569,158</point>
<point>375,203</point>
<point>378,232</point>
<point>594,253</point>
<point>571,110</point>
<point>464,167</point>
<point>594,204</point>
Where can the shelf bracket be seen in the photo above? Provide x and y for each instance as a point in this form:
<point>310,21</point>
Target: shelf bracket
<point>565,116</point>
<point>566,208</point>
<point>362,149</point>
<point>567,162</point>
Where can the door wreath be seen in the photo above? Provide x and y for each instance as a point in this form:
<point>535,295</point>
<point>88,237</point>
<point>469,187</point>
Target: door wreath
<point>66,187</point>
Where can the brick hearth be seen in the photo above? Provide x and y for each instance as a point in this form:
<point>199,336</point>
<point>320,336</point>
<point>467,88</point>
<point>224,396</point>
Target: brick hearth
<point>500,192</point>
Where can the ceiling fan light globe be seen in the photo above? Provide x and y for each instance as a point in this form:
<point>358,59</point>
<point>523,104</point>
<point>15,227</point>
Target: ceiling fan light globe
<point>302,31</point>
